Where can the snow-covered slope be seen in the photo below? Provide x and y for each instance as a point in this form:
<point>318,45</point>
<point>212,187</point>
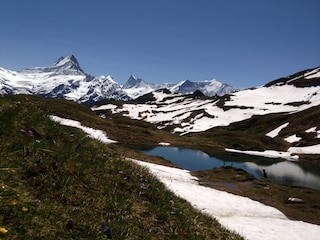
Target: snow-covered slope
<point>136,87</point>
<point>63,79</point>
<point>186,114</point>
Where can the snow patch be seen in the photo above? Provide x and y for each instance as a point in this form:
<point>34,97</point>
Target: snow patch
<point>104,107</point>
<point>293,138</point>
<point>314,130</point>
<point>276,131</point>
<point>315,149</point>
<point>311,130</point>
<point>268,153</point>
<point>92,133</point>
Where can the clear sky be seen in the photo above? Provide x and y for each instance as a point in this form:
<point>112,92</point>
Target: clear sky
<point>244,43</point>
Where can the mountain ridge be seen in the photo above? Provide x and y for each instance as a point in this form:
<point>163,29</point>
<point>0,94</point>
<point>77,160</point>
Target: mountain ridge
<point>136,87</point>
<point>66,79</point>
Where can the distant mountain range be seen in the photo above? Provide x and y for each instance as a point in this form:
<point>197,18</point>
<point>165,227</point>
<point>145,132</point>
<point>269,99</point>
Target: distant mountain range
<point>65,79</point>
<point>136,87</point>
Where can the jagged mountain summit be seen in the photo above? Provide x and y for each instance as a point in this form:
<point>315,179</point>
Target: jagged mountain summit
<point>207,87</point>
<point>63,79</point>
<point>136,87</point>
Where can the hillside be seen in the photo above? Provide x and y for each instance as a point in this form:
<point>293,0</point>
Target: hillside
<point>240,121</point>
<point>56,183</point>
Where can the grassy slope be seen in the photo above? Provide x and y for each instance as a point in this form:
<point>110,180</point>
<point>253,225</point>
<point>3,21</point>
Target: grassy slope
<point>91,184</point>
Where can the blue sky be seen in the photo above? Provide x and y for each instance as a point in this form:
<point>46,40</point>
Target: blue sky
<point>244,43</point>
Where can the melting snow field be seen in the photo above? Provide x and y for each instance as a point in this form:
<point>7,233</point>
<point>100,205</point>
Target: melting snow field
<point>251,219</point>
<point>173,109</point>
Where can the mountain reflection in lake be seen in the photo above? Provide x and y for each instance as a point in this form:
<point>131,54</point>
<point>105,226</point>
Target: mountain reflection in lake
<point>284,172</point>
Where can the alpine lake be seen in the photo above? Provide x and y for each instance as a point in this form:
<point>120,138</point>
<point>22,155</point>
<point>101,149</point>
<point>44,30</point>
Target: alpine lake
<point>284,172</point>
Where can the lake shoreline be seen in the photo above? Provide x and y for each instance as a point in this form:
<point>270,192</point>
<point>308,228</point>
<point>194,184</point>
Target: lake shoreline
<point>259,189</point>
<point>239,182</point>
<point>281,171</point>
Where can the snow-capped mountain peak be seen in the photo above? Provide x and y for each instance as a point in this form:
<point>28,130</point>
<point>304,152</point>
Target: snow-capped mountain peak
<point>68,62</point>
<point>135,87</point>
<point>63,79</point>
<point>134,82</point>
<point>207,87</point>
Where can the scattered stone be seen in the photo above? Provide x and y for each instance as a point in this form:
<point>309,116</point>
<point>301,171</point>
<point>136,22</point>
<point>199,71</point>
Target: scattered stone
<point>295,200</point>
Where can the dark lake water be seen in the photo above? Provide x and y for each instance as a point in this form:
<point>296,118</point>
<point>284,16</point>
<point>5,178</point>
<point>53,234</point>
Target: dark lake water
<point>284,172</point>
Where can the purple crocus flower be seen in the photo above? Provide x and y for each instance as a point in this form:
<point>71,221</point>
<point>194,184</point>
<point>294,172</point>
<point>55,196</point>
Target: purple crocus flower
<point>143,186</point>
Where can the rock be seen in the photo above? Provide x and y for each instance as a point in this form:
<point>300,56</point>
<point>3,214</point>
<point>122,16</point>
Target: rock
<point>295,200</point>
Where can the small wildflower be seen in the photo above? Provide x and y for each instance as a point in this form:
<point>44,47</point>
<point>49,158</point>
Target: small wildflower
<point>175,212</point>
<point>108,231</point>
<point>14,202</point>
<point>172,202</point>
<point>2,185</point>
<point>38,161</point>
<point>30,133</point>
<point>105,229</point>
<point>3,230</point>
<point>27,152</point>
<point>54,163</point>
<point>143,186</point>
<point>101,226</point>
<point>127,178</point>
<point>24,209</point>
<point>120,172</point>
<point>79,145</point>
<point>37,200</point>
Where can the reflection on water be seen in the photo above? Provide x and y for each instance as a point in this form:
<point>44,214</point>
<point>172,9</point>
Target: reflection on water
<point>284,172</point>
<point>289,173</point>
